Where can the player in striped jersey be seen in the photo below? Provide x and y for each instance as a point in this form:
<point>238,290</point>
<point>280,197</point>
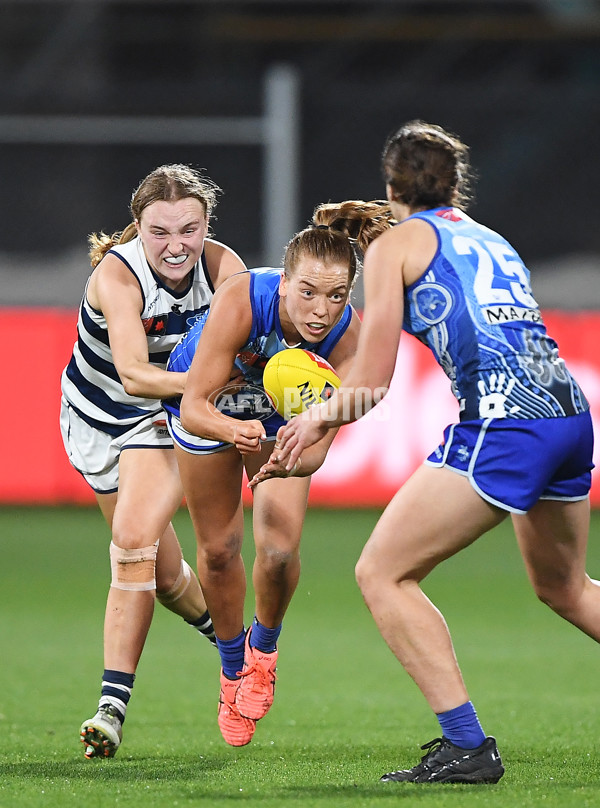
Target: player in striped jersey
<point>148,286</point>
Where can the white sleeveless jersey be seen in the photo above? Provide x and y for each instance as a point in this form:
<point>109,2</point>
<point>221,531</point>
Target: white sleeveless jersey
<point>90,382</point>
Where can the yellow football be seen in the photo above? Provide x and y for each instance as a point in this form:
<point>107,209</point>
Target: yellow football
<point>295,379</point>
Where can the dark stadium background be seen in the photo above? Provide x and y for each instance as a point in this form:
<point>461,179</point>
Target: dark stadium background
<point>96,93</point>
<point>519,81</point>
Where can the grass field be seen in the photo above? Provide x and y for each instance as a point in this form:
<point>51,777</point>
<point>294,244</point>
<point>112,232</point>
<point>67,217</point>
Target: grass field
<point>345,711</point>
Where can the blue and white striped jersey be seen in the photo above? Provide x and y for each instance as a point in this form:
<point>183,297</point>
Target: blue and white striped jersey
<point>90,382</point>
<point>474,309</point>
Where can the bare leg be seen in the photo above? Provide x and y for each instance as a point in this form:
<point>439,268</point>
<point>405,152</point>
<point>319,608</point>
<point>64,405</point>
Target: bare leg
<point>278,513</point>
<point>434,515</point>
<point>213,491</point>
<point>190,605</point>
<point>149,494</point>
<point>553,539</point>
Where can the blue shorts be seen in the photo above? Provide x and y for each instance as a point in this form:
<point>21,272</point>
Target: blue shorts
<point>513,463</point>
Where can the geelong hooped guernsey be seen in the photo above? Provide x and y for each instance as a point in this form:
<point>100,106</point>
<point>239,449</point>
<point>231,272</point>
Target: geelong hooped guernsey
<point>473,307</point>
<point>90,382</point>
<point>265,340</point>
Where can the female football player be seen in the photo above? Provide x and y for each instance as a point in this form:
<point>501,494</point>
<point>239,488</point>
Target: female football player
<point>523,445</point>
<point>148,285</point>
<point>253,316</point>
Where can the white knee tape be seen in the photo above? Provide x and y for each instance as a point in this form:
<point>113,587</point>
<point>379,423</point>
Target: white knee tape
<point>133,570</point>
<point>180,586</point>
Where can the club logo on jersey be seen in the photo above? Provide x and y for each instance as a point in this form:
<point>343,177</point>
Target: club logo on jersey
<point>432,302</point>
<point>201,314</point>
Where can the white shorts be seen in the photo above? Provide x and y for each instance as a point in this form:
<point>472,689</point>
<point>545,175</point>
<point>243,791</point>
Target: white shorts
<point>95,454</point>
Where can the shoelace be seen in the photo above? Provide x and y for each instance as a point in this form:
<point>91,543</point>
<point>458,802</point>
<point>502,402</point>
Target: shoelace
<point>267,677</point>
<point>437,742</point>
<point>110,712</point>
<point>230,705</point>
<point>431,747</point>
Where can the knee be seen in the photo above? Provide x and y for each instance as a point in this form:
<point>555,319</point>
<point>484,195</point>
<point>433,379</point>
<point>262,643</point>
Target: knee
<point>560,596</point>
<point>377,578</point>
<point>369,577</point>
<point>217,556</point>
<point>362,574</point>
<point>275,561</point>
<point>133,569</point>
<point>131,537</point>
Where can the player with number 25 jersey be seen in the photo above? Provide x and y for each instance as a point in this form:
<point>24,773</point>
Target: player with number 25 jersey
<point>523,443</point>
<point>475,311</point>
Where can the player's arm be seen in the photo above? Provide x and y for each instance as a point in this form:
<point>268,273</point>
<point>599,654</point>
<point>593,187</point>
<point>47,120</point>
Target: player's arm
<point>313,457</point>
<point>341,359</point>
<point>226,330</point>
<point>221,261</point>
<point>115,291</point>
<point>373,366</point>
<point>395,260</point>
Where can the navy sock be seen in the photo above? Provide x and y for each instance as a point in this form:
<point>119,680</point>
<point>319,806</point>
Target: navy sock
<point>232,655</point>
<point>116,690</point>
<point>205,626</point>
<point>263,638</point>
<point>461,726</point>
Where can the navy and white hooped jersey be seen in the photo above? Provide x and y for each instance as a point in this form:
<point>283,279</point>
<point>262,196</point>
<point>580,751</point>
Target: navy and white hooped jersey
<point>265,340</point>
<point>474,309</point>
<point>90,382</point>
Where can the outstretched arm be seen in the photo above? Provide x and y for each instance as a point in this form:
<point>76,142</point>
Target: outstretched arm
<point>341,359</point>
<point>311,459</point>
<point>372,369</point>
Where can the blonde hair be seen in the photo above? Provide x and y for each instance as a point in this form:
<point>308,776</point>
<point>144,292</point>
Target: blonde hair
<point>167,183</point>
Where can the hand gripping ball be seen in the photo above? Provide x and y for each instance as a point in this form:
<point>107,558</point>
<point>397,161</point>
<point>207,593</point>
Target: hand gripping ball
<point>295,379</point>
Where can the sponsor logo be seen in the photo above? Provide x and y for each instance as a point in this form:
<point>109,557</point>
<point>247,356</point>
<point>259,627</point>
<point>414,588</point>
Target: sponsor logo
<point>463,453</point>
<point>243,401</point>
<point>496,315</point>
<point>155,326</point>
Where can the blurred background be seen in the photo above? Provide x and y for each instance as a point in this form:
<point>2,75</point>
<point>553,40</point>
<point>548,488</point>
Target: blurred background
<point>287,105</point>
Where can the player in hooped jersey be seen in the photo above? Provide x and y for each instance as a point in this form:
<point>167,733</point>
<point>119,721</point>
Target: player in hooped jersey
<point>523,444</point>
<point>217,432</point>
<point>148,285</point>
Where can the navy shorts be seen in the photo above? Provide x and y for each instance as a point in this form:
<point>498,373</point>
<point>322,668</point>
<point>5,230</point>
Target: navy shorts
<point>513,463</point>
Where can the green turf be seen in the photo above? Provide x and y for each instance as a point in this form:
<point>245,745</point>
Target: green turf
<point>345,711</point>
